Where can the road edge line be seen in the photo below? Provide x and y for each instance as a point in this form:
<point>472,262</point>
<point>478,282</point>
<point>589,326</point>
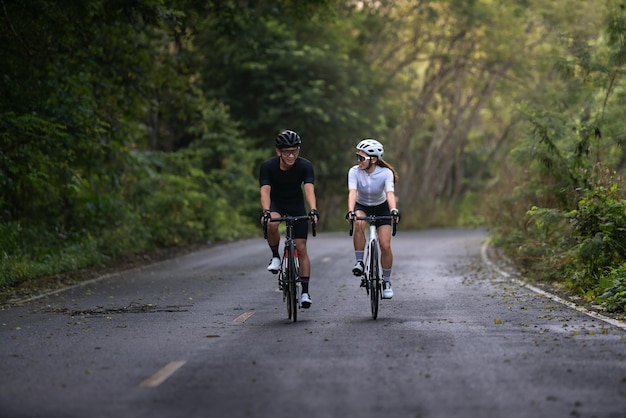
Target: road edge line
<point>21,301</point>
<point>555,298</point>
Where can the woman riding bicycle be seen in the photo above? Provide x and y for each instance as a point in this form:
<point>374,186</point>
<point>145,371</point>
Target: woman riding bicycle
<point>371,192</point>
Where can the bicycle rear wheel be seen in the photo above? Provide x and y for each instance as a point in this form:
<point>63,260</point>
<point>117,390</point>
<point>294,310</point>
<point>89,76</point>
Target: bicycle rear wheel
<point>374,279</point>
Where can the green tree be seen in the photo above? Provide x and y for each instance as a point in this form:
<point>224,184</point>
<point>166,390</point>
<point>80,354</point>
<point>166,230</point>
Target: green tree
<point>570,170</point>
<point>82,93</point>
<point>69,98</point>
<point>274,76</point>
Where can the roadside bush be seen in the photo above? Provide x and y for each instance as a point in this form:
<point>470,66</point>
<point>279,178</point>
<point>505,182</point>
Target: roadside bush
<point>613,297</point>
<point>599,227</point>
<point>37,252</point>
<point>166,201</point>
<point>546,247</point>
<point>585,248</point>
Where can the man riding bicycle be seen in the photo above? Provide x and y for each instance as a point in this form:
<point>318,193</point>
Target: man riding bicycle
<point>282,179</point>
<point>371,192</point>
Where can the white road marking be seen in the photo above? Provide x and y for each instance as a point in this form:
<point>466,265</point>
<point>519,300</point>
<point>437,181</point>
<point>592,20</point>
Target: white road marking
<point>243,316</point>
<point>160,376</point>
<point>593,314</point>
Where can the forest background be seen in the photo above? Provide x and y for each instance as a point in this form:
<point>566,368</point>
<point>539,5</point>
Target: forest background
<point>128,126</point>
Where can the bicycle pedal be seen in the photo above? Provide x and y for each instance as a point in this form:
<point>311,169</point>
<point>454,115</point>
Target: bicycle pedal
<point>363,283</point>
<point>273,271</point>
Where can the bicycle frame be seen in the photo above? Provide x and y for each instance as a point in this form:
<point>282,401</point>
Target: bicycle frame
<point>372,266</point>
<point>289,273</point>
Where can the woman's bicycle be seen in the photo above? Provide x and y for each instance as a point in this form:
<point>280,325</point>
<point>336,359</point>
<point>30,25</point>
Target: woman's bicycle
<point>372,279</point>
<point>289,273</point>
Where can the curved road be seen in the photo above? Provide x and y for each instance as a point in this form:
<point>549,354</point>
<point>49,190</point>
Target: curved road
<point>206,335</point>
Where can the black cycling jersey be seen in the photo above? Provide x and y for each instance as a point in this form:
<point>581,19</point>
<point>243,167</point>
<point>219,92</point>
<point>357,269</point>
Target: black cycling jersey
<point>286,185</point>
<point>286,189</point>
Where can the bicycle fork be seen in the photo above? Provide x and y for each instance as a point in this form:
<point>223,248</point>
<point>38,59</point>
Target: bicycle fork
<point>283,267</point>
<point>368,274</point>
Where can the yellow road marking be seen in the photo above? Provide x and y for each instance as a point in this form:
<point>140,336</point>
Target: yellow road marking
<point>160,376</point>
<point>244,316</point>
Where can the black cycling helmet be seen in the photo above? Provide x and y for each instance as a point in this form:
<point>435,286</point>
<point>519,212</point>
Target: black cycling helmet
<point>287,139</point>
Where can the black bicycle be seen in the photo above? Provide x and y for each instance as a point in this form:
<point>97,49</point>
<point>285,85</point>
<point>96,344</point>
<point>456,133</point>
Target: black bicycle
<point>372,275</point>
<point>289,273</point>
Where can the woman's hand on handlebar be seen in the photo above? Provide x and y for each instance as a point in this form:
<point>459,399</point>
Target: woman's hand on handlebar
<point>396,215</point>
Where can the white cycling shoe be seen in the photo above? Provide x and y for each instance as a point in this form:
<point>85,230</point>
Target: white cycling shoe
<point>274,265</point>
<point>387,290</point>
<point>358,268</point>
<point>306,301</point>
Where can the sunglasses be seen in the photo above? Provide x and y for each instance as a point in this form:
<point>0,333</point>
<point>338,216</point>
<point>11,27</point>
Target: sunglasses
<point>290,153</point>
<point>361,158</point>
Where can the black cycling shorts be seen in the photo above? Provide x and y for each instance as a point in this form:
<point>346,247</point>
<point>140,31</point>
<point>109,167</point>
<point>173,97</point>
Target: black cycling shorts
<point>301,227</point>
<point>379,210</point>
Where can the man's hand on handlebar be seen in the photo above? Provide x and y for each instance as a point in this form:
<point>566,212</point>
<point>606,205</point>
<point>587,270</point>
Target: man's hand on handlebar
<point>350,216</point>
<point>266,216</point>
<point>314,215</point>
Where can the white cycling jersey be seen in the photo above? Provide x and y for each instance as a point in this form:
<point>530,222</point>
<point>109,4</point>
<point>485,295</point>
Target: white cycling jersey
<point>371,188</point>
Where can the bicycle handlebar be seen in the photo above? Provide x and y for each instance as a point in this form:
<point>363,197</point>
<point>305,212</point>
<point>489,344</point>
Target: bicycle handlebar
<point>373,218</point>
<point>289,219</point>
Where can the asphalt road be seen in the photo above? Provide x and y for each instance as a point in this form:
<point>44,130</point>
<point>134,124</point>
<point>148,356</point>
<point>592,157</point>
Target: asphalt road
<point>206,335</point>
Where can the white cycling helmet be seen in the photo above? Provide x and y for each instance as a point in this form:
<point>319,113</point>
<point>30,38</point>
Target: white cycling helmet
<point>371,147</point>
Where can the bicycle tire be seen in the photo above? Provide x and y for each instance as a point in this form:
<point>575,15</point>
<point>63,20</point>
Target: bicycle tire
<point>374,279</point>
<point>283,282</point>
<point>292,284</point>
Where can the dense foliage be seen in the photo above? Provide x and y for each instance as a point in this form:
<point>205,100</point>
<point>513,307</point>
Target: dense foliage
<point>109,146</point>
<point>127,126</point>
<point>566,218</point>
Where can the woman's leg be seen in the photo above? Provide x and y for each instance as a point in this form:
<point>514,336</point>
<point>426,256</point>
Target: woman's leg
<point>384,240</point>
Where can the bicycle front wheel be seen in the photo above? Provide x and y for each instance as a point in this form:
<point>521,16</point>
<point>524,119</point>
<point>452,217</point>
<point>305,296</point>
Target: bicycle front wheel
<point>292,280</point>
<point>283,282</point>
<point>374,279</point>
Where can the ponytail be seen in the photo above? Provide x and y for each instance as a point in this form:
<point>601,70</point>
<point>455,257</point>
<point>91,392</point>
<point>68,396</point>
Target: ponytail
<point>383,163</point>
